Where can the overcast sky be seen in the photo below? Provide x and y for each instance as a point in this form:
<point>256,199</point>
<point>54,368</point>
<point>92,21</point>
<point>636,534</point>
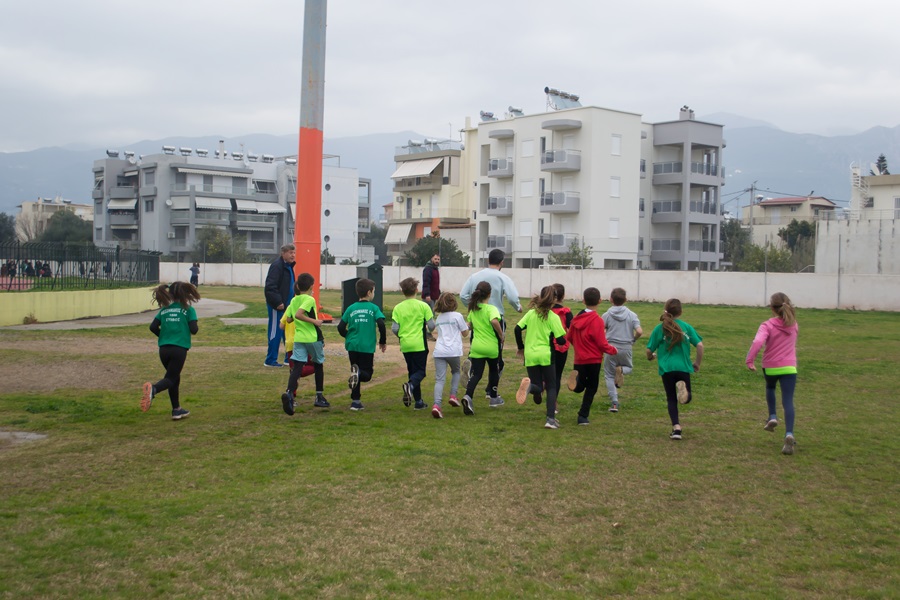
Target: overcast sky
<point>112,72</point>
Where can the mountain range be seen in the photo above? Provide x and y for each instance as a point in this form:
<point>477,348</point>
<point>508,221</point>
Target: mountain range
<point>776,162</point>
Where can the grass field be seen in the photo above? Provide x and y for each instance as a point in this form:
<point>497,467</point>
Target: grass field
<point>240,500</point>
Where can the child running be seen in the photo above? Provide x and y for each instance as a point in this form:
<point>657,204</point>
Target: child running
<point>451,328</point>
<point>779,336</point>
<point>357,326</point>
<point>412,320</point>
<point>671,340</point>
<point>487,339</point>
<point>587,336</point>
<point>174,325</point>
<point>560,351</point>
<point>544,326</point>
<point>623,328</point>
<point>309,343</point>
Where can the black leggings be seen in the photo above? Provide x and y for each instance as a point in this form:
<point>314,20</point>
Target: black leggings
<point>297,369</point>
<point>540,376</point>
<point>493,365</point>
<point>172,358</point>
<point>669,380</point>
<point>589,383</point>
<point>559,361</point>
<point>365,361</point>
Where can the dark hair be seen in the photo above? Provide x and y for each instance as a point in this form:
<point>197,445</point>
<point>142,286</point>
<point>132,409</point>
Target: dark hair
<point>671,330</point>
<point>409,286</point>
<point>591,296</point>
<point>304,282</point>
<point>543,302</point>
<point>496,256</point>
<point>183,293</point>
<point>445,303</point>
<point>559,292</point>
<point>782,307</point>
<point>481,293</point>
<point>363,287</point>
<point>617,296</point>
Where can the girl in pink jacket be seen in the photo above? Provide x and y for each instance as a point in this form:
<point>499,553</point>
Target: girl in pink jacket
<point>779,336</point>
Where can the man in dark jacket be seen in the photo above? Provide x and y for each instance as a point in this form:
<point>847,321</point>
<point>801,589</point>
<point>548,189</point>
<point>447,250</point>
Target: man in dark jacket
<point>279,290</point>
<point>431,281</point>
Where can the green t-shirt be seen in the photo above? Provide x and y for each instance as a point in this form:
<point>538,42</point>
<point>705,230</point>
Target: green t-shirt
<point>362,326</point>
<point>174,329</point>
<point>537,340</point>
<point>304,333</point>
<point>411,316</point>
<point>679,357</point>
<point>484,338</point>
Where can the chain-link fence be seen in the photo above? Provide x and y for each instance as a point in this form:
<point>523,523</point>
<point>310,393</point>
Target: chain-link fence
<point>70,266</point>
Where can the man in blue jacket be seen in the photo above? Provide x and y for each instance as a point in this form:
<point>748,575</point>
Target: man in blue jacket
<point>279,291</point>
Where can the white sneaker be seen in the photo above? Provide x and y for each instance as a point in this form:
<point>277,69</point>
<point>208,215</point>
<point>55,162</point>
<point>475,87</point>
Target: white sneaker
<point>789,444</point>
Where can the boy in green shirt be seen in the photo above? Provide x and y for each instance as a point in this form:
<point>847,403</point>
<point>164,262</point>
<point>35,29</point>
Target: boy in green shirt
<point>309,343</point>
<point>411,319</point>
<point>357,327</point>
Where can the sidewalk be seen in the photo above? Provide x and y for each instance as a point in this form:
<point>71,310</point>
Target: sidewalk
<point>205,308</point>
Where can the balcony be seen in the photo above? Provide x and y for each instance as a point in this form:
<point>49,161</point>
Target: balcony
<point>500,167</point>
<point>97,194</point>
<point>560,202</point>
<point>703,250</point>
<point>561,161</point>
<point>552,243</point>
<point>413,184</point>
<point>665,250</point>
<point>669,211</point>
<point>123,219</point>
<point>122,192</point>
<point>701,173</point>
<point>500,206</point>
<point>501,242</point>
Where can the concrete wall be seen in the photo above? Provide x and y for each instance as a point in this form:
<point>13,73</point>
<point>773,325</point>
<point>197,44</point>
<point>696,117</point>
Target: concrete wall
<point>807,290</point>
<point>66,306</point>
<point>858,246</point>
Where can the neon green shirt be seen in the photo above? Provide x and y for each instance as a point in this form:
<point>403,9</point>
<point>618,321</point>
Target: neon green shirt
<point>537,340</point>
<point>304,333</point>
<point>173,325</point>
<point>362,326</point>
<point>484,338</point>
<point>411,316</point>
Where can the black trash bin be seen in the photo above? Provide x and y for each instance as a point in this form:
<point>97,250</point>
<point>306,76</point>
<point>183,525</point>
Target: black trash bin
<point>348,293</point>
<point>371,271</point>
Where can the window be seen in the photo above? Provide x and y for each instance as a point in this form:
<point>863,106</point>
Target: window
<point>616,144</point>
<point>527,189</point>
<point>896,207</point>
<point>238,185</point>
<point>527,148</point>
<point>615,184</point>
<point>180,181</point>
<point>641,205</point>
<point>640,244</point>
<point>614,228</point>
<point>150,177</point>
<point>148,205</point>
<point>207,183</point>
<point>418,202</point>
<point>264,187</point>
<point>540,227</point>
<point>793,209</point>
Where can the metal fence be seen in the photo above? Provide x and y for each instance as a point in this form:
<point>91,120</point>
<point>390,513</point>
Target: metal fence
<point>70,266</point>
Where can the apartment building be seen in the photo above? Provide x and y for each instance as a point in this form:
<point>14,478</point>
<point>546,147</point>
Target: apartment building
<point>768,216</point>
<point>31,222</point>
<point>160,201</point>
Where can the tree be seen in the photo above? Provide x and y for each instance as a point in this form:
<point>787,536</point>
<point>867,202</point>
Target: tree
<point>425,248</point>
<point>219,246</point>
<point>28,226</point>
<point>7,228</point>
<point>375,238</point>
<point>66,226</point>
<point>350,261</point>
<point>577,255</point>
<point>795,232</point>
<point>766,258</point>
<point>735,241</point>
<point>326,258</point>
<point>881,166</point>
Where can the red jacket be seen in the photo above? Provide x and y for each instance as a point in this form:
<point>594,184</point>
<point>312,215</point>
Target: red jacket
<point>565,316</point>
<point>588,335</point>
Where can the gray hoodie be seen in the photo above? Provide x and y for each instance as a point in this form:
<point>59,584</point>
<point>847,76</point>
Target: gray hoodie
<point>620,325</point>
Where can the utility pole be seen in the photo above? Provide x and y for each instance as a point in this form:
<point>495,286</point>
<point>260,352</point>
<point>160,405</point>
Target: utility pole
<point>752,199</point>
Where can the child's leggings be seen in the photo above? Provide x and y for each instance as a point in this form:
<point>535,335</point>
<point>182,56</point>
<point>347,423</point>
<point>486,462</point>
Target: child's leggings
<point>788,383</point>
<point>589,383</point>
<point>493,365</point>
<point>366,363</point>
<point>540,376</point>
<point>416,362</point>
<point>441,364</point>
<point>297,369</point>
<point>669,380</point>
<point>172,358</point>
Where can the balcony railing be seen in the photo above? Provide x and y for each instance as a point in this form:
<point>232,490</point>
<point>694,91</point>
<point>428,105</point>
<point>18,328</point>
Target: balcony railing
<point>705,207</point>
<point>701,245</point>
<point>500,206</point>
<point>561,160</point>
<point>560,202</point>
<point>665,168</point>
<point>667,206</point>
<point>216,189</point>
<point>500,167</point>
<point>122,192</point>
<point>556,242</point>
<point>502,242</point>
<point>706,169</point>
<point>666,245</point>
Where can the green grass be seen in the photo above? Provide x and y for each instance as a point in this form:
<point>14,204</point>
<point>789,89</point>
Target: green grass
<point>241,500</point>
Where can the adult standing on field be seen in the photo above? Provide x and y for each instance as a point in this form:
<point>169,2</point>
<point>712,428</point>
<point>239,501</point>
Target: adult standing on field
<point>501,285</point>
<point>279,290</point>
<point>431,284</point>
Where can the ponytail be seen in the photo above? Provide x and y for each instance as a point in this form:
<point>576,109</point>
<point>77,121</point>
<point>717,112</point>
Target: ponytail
<point>480,294</point>
<point>782,307</point>
<point>671,330</point>
<point>543,302</point>
<point>179,291</point>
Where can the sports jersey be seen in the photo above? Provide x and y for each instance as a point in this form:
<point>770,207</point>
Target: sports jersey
<point>484,338</point>
<point>173,325</point>
<point>678,358</point>
<point>411,316</point>
<point>537,340</point>
<point>304,333</point>
<point>362,326</point>
<point>448,327</point>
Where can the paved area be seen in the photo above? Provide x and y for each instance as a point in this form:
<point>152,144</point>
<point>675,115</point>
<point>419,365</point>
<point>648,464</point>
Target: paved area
<point>205,308</point>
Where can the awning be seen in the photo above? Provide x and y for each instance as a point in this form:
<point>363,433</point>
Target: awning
<point>293,211</point>
<point>114,226</point>
<point>254,228</point>
<point>269,208</point>
<point>245,205</point>
<point>213,173</point>
<point>416,168</point>
<point>398,234</point>
<point>213,203</point>
<point>127,204</point>
<point>130,173</point>
<point>180,203</point>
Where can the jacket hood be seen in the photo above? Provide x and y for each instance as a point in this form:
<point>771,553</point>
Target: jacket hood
<point>619,313</point>
<point>583,320</point>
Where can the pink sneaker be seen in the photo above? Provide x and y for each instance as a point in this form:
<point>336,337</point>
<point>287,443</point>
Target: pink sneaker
<point>454,401</point>
<point>436,412</point>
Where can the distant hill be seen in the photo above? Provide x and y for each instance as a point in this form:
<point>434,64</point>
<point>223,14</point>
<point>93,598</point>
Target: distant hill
<point>783,163</point>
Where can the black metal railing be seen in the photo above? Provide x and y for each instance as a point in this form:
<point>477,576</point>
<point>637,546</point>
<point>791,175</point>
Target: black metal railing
<point>74,266</point>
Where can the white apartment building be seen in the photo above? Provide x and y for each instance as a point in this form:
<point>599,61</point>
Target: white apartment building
<point>768,216</point>
<point>31,222</point>
<point>160,201</point>
<point>540,183</point>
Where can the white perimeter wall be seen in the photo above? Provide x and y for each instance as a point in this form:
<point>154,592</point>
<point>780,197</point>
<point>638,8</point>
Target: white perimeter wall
<point>807,290</point>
